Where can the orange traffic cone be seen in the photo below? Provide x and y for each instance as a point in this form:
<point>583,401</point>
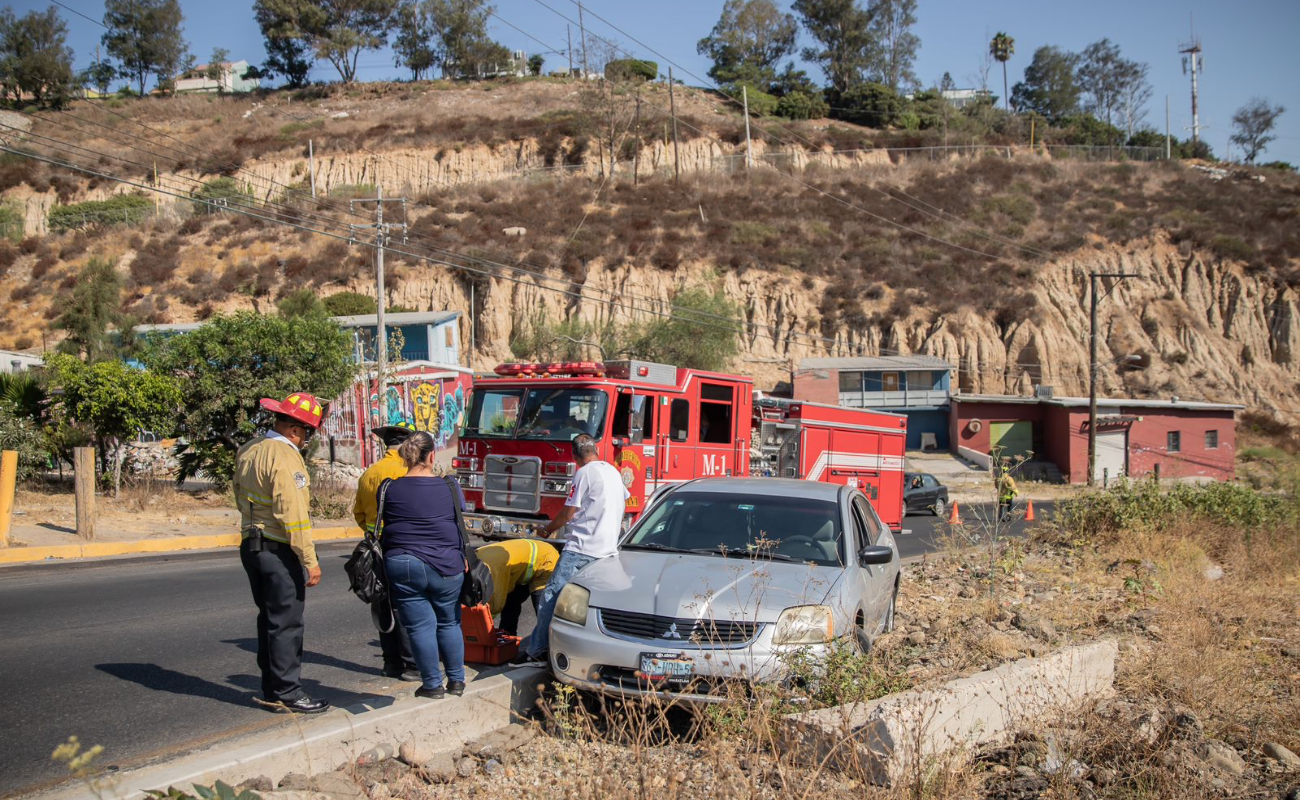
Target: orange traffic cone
<point>953,517</point>
<point>1029,511</point>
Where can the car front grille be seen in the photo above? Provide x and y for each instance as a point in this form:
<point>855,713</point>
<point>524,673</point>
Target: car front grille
<point>625,679</point>
<point>686,632</point>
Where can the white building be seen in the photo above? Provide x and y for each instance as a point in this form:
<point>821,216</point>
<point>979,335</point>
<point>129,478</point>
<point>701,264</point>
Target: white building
<point>196,81</point>
<point>11,361</point>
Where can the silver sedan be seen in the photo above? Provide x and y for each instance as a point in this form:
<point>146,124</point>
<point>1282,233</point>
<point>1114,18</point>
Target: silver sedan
<point>723,580</point>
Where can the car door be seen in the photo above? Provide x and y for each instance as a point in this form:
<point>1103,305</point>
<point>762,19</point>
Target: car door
<point>933,490</point>
<point>875,579</point>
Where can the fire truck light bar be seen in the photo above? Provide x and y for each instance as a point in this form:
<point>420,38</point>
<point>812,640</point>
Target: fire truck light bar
<point>592,369</point>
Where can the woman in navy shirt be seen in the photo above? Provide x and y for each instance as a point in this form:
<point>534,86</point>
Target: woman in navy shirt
<point>426,566</point>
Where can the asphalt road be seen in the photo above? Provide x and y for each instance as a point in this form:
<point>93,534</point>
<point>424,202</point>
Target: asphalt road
<point>151,657</point>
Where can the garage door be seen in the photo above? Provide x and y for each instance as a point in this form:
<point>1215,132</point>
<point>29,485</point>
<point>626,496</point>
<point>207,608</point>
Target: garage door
<point>1112,455</point>
<point>1011,439</point>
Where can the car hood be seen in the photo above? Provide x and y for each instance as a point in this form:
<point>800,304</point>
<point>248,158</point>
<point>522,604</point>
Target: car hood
<point>704,587</point>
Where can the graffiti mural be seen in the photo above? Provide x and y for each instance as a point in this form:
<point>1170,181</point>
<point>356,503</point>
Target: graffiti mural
<point>431,402</point>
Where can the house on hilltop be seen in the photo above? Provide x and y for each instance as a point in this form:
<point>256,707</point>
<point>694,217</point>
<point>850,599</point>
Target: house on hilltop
<point>231,79</point>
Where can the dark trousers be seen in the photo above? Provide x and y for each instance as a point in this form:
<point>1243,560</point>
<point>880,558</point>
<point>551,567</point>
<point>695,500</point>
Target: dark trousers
<point>279,590</point>
<point>514,606</point>
<point>395,645</point>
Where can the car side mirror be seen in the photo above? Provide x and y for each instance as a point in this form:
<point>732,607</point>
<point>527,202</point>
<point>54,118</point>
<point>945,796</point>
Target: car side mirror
<point>875,554</point>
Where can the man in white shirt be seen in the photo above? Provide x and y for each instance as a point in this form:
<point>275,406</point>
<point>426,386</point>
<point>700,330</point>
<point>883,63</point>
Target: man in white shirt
<point>594,516</point>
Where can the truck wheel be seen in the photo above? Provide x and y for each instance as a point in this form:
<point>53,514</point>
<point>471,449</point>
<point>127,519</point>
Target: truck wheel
<point>940,506</point>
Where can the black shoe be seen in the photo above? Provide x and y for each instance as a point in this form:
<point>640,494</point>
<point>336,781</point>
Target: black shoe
<point>456,687</point>
<point>431,694</point>
<point>304,705</point>
<point>526,659</point>
<point>401,672</point>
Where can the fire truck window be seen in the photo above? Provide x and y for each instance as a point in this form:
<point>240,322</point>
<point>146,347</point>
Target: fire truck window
<point>713,391</point>
<point>679,424</point>
<point>642,423</point>
<point>622,408</point>
<point>715,423</point>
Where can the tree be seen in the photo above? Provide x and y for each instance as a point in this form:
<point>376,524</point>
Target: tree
<point>871,104</point>
<point>230,362</point>
<point>94,307</point>
<point>749,39</point>
<point>946,83</point>
<point>286,56</point>
<point>1002,48</point>
<point>1253,126</point>
<point>894,45</point>
<point>336,31</point>
<point>1135,91</point>
<point>34,57</point>
<point>216,70</point>
<point>464,47</point>
<point>701,333</point>
<point>351,304</point>
<point>841,27</point>
<point>145,35</point>
<point>302,303</point>
<point>1116,88</point>
<point>1049,87</point>
<point>535,63</point>
<point>414,46</point>
<point>100,75</point>
<point>116,402</point>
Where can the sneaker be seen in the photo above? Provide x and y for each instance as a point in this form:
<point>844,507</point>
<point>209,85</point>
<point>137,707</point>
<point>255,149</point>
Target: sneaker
<point>456,687</point>
<point>431,694</point>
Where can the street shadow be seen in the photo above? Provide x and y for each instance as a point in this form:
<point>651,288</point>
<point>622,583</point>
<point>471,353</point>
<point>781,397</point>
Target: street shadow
<point>161,679</point>
<point>249,645</point>
<point>50,526</point>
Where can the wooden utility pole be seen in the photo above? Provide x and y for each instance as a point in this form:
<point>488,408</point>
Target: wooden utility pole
<point>568,32</point>
<point>749,153</point>
<point>83,464</point>
<point>1167,142</point>
<point>636,154</point>
<point>672,105</point>
<point>381,334</point>
<point>1094,278</point>
<point>311,167</point>
<point>582,31</point>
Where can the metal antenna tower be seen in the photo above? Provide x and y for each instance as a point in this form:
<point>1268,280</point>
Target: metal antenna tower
<point>1193,63</point>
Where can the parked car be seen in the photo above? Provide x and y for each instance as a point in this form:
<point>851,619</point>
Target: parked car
<point>719,581</point>
<point>923,492</point>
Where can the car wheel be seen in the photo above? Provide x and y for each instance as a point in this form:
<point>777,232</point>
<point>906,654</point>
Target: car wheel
<point>863,640</point>
<point>940,506</point>
<point>889,615</point>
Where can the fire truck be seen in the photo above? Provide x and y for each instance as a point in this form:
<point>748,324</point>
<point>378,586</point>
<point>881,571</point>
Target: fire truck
<point>659,425</point>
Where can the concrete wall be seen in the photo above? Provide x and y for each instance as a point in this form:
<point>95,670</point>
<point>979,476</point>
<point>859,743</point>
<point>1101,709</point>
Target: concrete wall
<point>962,412</point>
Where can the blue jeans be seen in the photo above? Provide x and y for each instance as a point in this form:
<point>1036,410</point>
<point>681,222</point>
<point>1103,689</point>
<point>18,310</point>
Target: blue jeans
<point>540,639</point>
<point>429,606</point>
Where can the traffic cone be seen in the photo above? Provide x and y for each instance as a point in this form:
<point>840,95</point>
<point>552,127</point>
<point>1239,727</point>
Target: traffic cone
<point>953,517</point>
<point>1029,511</point>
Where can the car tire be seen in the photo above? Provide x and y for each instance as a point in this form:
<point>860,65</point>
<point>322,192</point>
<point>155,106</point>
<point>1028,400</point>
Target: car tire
<point>862,640</point>
<point>889,615</point>
<point>940,506</point>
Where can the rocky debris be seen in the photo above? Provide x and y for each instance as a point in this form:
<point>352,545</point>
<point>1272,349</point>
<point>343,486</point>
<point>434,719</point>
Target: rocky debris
<point>501,741</point>
<point>1221,756</point>
<point>332,785</point>
<point>1276,752</point>
<point>439,765</point>
<point>1214,572</point>
<point>259,784</point>
<point>466,767</point>
<point>1034,625</point>
<point>389,770</point>
<point>515,231</point>
<point>916,638</point>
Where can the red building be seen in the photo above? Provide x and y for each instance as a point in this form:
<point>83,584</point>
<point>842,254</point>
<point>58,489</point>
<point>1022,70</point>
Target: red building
<point>1166,438</point>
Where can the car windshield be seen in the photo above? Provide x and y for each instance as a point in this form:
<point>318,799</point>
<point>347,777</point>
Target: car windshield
<point>723,524</point>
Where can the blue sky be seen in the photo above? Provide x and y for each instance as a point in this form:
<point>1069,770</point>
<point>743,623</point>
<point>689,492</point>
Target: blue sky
<point>1247,44</point>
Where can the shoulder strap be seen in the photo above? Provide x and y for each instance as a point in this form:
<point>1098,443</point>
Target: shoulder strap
<point>454,487</point>
<point>379,509</point>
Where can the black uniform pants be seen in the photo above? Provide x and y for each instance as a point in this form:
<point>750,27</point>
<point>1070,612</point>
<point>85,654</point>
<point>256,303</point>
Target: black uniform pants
<point>395,645</point>
<point>279,590</point>
<point>514,606</point>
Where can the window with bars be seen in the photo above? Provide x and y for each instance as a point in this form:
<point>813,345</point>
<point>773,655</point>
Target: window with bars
<point>1173,441</point>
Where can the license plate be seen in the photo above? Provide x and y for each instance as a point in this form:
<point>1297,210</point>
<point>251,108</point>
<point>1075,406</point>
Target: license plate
<point>666,668</point>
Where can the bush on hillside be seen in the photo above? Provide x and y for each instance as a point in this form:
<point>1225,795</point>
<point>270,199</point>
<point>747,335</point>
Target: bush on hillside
<point>13,225</point>
<point>349,304</point>
<point>221,192</point>
<point>871,104</point>
<point>797,105</point>
<point>121,209</point>
<point>627,69</point>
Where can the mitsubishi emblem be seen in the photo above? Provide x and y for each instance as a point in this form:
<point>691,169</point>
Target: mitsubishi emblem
<point>672,633</point>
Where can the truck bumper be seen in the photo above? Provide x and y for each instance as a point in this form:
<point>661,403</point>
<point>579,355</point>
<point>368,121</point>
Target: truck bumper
<point>498,526</point>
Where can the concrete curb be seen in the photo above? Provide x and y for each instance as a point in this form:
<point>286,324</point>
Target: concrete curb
<point>898,736</point>
<point>320,744</point>
<point>25,555</point>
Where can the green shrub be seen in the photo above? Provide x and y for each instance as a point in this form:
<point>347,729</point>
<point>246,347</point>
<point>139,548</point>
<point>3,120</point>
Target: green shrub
<point>752,233</point>
<point>872,104</point>
<point>350,304</point>
<point>798,105</point>
<point>761,104</point>
<point>121,209</point>
<point>350,190</point>
<point>21,434</point>
<point>1088,130</point>
<point>1284,166</point>
<point>627,69</point>
<point>221,191</point>
<point>13,225</point>
<point>1233,247</point>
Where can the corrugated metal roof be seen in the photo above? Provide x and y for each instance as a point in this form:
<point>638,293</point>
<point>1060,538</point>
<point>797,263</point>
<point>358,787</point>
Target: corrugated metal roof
<point>360,321</point>
<point>902,363</point>
<point>1108,403</point>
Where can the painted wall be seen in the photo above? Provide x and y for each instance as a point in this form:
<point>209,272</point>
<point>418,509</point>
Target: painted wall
<point>817,386</point>
<point>926,420</point>
<point>961,413</point>
<point>432,399</point>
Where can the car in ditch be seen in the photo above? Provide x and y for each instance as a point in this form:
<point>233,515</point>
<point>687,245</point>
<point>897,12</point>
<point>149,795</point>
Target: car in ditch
<point>725,582</point>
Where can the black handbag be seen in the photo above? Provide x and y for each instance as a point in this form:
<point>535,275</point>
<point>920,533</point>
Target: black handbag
<point>477,587</point>
<point>365,567</point>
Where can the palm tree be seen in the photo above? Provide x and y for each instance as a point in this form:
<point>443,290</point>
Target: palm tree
<point>1002,48</point>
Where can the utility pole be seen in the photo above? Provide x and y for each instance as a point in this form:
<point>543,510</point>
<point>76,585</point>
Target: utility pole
<point>381,335</point>
<point>636,154</point>
<point>1193,63</point>
<point>311,167</point>
<point>749,153</point>
<point>672,105</point>
<point>1094,277</point>
<point>582,31</point>
<point>568,32</point>
<point>1168,145</point>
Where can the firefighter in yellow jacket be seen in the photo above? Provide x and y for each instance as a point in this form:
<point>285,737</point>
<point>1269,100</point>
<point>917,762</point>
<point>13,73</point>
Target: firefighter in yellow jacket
<point>520,569</point>
<point>272,491</point>
<point>395,645</point>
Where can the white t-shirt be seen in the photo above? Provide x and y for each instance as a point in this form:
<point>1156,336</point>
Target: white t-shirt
<point>600,497</point>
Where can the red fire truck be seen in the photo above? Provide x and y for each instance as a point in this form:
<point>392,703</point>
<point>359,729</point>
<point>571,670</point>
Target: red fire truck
<point>659,425</point>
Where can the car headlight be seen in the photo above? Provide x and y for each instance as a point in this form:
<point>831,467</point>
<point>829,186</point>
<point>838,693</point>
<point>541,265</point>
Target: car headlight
<point>572,604</point>
<point>804,625</point>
